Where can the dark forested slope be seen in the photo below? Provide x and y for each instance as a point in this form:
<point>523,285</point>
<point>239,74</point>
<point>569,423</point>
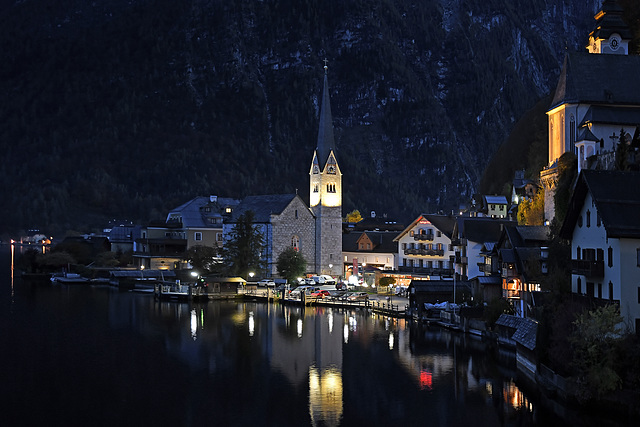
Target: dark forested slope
<point>124,109</point>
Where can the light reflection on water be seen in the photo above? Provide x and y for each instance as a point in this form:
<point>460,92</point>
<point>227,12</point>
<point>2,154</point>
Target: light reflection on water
<point>251,363</point>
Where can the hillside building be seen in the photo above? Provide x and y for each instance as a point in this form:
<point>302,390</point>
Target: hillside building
<point>597,99</point>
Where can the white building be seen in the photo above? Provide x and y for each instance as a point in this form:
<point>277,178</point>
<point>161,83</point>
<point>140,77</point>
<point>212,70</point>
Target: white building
<point>597,96</point>
<point>424,247</point>
<point>603,223</point>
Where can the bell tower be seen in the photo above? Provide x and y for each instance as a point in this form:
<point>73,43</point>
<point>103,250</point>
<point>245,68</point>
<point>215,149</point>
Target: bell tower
<point>325,193</point>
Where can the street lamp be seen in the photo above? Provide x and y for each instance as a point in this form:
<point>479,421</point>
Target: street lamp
<point>251,274</point>
<point>330,269</point>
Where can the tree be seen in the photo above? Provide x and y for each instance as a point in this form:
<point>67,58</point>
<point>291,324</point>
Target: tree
<point>242,253</point>
<point>291,264</point>
<point>622,153</point>
<point>594,341</point>
<point>354,216</point>
<point>531,212</point>
<point>202,258</point>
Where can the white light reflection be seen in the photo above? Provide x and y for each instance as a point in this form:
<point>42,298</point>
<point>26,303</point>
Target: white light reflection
<point>252,325</point>
<point>390,340</point>
<point>299,327</point>
<point>194,323</point>
<point>345,333</point>
<point>330,322</point>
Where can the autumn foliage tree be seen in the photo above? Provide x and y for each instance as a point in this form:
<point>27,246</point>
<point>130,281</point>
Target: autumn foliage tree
<point>531,212</point>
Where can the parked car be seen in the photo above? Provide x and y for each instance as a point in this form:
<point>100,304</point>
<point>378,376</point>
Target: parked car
<point>310,281</point>
<point>267,282</point>
<point>345,296</point>
<point>358,296</point>
<point>324,279</point>
<point>321,293</point>
<point>296,293</point>
<point>341,286</point>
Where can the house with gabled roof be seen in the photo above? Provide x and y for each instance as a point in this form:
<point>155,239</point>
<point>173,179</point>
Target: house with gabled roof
<point>375,249</point>
<point>197,222</point>
<point>470,237</point>
<point>424,247</point>
<point>284,220</point>
<point>519,251</point>
<point>603,224</point>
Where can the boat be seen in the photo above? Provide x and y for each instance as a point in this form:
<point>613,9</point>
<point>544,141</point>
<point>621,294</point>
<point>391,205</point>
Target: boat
<point>69,279</point>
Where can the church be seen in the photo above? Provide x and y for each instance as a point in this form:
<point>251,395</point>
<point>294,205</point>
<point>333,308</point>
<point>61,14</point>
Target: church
<point>596,105</point>
<point>315,230</point>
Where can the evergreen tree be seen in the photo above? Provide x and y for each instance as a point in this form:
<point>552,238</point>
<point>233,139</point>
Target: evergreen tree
<point>291,264</point>
<point>243,251</point>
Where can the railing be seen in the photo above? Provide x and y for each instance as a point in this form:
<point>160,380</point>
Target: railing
<point>427,237</point>
<point>587,268</point>
<point>427,270</point>
<point>426,252</point>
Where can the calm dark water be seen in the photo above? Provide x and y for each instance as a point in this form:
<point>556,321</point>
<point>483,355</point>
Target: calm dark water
<point>92,355</point>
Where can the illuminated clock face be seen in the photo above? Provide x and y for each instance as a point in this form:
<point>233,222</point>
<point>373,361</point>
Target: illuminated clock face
<point>614,42</point>
<point>332,169</point>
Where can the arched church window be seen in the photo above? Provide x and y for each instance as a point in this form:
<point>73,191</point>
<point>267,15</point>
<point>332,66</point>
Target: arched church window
<point>315,188</point>
<point>295,243</point>
<point>572,130</point>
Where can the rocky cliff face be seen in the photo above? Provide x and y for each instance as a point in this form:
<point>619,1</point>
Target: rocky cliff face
<point>141,105</point>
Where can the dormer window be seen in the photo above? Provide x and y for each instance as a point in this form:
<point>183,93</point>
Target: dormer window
<point>227,209</point>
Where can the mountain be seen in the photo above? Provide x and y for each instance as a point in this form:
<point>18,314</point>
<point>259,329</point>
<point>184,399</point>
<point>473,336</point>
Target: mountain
<point>125,109</point>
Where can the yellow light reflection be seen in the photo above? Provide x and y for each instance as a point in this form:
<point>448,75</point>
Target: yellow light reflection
<point>325,396</point>
<point>194,324</point>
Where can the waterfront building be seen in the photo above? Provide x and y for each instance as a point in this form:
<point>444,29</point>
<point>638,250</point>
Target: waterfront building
<point>602,224</point>
<point>424,247</point>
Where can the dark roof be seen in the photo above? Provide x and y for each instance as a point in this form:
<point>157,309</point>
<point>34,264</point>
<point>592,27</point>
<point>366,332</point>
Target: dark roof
<point>609,114</point>
<point>616,196</point>
<point>533,233</point>
<point>325,129</point>
<point>585,134</point>
<point>489,280</point>
<point>382,240</point>
<point>482,229</point>
<point>583,80</point>
<point>438,285</point>
<point>525,329</point>
<point>194,215</point>
<point>444,223</point>
<point>609,21</point>
<point>262,206</point>
<point>377,224</point>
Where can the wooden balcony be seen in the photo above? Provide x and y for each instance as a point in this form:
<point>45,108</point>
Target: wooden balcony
<point>423,237</point>
<point>587,268</point>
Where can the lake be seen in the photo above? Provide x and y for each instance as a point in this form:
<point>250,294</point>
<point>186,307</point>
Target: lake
<point>94,355</point>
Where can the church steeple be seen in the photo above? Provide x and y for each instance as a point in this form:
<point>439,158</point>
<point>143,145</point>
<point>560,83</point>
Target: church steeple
<point>611,35</point>
<point>325,131</point>
<point>325,193</point>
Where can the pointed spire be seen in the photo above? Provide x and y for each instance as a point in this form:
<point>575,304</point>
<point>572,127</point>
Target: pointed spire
<point>325,131</point>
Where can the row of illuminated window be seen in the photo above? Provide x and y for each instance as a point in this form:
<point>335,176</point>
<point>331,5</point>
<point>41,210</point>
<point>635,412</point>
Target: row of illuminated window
<point>427,246</point>
<point>425,231</point>
<point>420,263</point>
<point>331,188</point>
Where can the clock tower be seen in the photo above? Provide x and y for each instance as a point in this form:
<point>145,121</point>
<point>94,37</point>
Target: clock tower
<point>325,193</point>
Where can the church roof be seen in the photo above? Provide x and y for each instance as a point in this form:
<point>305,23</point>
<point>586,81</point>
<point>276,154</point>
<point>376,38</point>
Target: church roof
<point>616,196</point>
<point>326,142</point>
<point>609,21</point>
<point>598,79</point>
<point>194,216</point>
<point>262,206</point>
<point>606,114</point>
